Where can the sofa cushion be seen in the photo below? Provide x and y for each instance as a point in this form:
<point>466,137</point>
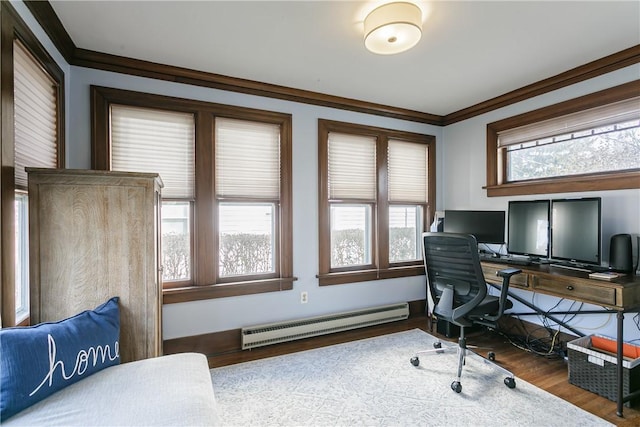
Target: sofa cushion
<point>37,361</point>
<point>173,390</point>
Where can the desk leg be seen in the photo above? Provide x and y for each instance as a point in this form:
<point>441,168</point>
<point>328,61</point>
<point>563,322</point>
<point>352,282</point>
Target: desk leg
<point>620,317</point>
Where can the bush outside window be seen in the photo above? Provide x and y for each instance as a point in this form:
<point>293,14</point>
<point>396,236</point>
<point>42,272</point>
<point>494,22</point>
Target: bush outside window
<point>247,239</point>
<point>176,241</point>
<point>405,233</point>
<point>351,234</point>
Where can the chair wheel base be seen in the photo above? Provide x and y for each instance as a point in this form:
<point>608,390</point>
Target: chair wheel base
<point>510,382</point>
<point>491,356</point>
<point>415,361</point>
<point>456,386</point>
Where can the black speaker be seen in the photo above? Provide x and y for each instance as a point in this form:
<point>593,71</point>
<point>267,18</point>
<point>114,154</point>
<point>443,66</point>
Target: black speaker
<point>620,258</point>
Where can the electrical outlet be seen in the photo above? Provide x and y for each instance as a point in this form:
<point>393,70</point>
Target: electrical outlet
<point>304,297</point>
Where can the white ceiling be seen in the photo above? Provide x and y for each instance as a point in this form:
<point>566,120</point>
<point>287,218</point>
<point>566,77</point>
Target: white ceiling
<point>470,51</point>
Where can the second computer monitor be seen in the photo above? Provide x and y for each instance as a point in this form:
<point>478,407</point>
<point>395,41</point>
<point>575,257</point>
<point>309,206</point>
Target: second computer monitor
<point>576,230</point>
<point>528,228</point>
<point>486,226</point>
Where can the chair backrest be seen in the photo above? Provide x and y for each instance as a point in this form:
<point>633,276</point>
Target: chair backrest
<point>454,274</point>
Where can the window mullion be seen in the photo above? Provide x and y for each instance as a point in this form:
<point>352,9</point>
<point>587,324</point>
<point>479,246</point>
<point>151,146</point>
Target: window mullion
<point>324,205</point>
<point>381,237</point>
<point>205,229</point>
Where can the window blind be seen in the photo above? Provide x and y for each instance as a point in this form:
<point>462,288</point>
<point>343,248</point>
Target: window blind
<point>155,141</point>
<point>247,159</point>
<point>352,167</point>
<point>605,115</point>
<point>407,171</point>
<point>35,111</point>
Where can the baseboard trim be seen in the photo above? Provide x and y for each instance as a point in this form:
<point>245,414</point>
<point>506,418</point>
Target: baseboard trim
<point>208,344</point>
<point>229,342</point>
<point>217,343</point>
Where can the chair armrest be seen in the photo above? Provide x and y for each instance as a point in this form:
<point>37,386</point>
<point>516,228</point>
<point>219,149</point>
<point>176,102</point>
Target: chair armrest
<point>506,277</point>
<point>508,272</point>
<point>504,290</point>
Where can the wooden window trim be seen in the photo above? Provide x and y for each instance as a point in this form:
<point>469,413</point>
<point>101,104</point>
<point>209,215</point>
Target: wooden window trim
<point>496,158</point>
<point>381,269</point>
<point>204,283</point>
<point>13,27</point>
<point>222,290</point>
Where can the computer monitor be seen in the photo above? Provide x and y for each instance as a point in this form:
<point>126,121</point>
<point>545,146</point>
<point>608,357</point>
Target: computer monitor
<point>576,230</point>
<point>528,228</point>
<point>486,226</point>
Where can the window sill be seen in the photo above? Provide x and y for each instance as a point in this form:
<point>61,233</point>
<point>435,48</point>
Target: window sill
<point>582,183</point>
<point>223,290</point>
<point>328,279</point>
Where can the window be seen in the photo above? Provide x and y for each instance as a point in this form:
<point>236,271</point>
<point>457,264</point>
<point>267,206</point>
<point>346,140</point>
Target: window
<point>408,183</point>
<point>589,143</point>
<point>36,143</point>
<point>226,203</point>
<point>351,235</point>
<point>32,125</point>
<point>248,193</point>
<point>159,141</point>
<point>176,240</point>
<point>352,194</point>
<point>376,198</point>
<point>22,257</point>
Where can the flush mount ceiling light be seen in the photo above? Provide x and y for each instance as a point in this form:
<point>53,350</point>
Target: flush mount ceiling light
<point>393,28</point>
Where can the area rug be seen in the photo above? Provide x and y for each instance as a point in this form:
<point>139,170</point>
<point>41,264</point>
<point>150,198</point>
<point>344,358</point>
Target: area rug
<point>371,382</point>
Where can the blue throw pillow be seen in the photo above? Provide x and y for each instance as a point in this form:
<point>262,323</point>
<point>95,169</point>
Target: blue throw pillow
<point>37,361</point>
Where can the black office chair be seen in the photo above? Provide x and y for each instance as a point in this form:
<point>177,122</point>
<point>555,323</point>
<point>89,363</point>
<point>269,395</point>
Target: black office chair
<point>459,291</point>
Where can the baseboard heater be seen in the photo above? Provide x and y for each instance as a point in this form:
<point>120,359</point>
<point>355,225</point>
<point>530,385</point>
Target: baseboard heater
<point>261,335</point>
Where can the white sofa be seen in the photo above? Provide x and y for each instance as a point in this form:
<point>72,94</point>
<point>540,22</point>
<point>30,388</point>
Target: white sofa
<point>173,390</point>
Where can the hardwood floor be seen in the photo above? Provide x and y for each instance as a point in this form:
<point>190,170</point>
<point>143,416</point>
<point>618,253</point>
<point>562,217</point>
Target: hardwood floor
<point>547,374</point>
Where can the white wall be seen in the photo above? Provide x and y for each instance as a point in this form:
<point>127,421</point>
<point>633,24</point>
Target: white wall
<point>464,170</point>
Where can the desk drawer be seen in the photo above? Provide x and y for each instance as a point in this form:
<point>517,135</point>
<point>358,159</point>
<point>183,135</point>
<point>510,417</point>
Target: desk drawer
<point>519,280</point>
<point>575,290</point>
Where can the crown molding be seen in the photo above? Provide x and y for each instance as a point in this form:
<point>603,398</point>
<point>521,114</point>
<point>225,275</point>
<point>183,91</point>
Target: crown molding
<point>51,24</point>
<point>587,71</point>
<point>136,67</point>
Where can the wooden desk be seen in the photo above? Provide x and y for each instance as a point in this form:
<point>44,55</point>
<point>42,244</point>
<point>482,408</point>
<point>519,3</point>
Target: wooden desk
<point>621,295</point>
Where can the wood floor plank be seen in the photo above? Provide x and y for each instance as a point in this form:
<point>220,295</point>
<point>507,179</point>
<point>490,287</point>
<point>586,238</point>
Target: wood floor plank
<point>548,374</point>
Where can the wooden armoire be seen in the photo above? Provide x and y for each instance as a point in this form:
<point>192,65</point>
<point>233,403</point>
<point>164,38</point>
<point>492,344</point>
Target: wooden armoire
<point>94,235</point>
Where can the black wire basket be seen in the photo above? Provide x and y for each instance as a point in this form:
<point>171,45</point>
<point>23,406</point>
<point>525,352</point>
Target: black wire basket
<point>596,371</point>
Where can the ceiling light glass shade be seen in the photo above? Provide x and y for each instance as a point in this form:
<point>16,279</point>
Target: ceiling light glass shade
<point>393,28</point>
